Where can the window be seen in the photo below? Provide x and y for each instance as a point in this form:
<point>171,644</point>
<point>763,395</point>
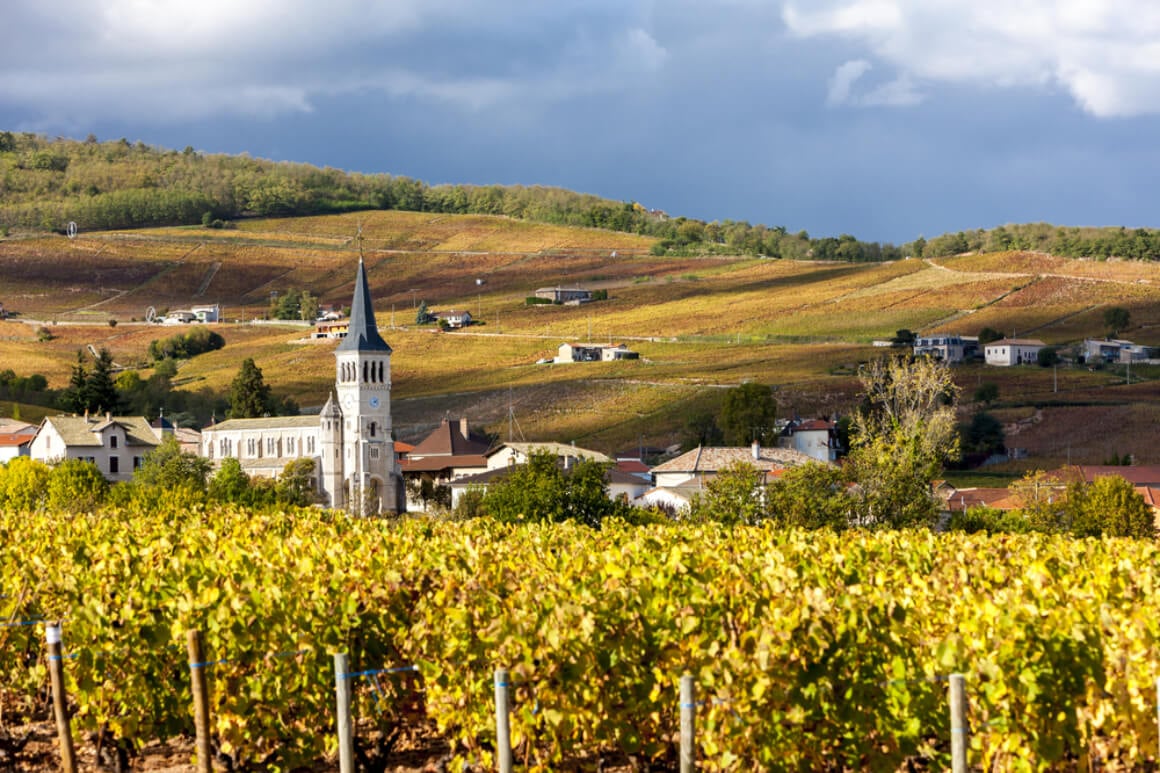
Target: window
<point>114,465</point>
<point>137,461</point>
<point>310,446</point>
<point>112,441</point>
<point>374,452</point>
<point>271,447</point>
<point>290,446</point>
<point>373,428</point>
<point>252,446</point>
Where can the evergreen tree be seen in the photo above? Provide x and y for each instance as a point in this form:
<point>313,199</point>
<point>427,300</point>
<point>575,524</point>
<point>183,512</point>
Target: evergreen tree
<point>73,398</point>
<point>249,395</point>
<point>100,393</point>
<point>423,317</point>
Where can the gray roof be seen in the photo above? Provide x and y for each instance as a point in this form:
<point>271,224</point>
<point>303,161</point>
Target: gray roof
<point>84,430</point>
<point>704,460</point>
<point>363,334</point>
<point>266,423</point>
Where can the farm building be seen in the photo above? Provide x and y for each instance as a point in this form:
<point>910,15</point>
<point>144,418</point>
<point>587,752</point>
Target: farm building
<point>594,353</point>
<point>1013,351</point>
<point>453,318</point>
<point>115,444</point>
<point>564,294</point>
<point>1114,350</point>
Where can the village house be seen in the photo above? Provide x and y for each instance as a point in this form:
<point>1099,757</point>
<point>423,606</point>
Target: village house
<point>947,348</point>
<point>15,439</point>
<point>331,328</point>
<point>816,438</point>
<point>117,445</point>
<point>702,464</point>
<point>1013,351</point>
<point>452,450</point>
<point>594,353</point>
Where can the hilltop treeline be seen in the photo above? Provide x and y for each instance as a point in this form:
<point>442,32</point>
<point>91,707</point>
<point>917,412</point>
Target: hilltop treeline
<point>46,183</point>
<point>1136,243</point>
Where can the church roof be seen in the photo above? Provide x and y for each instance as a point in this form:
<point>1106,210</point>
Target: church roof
<point>266,423</point>
<point>363,335</point>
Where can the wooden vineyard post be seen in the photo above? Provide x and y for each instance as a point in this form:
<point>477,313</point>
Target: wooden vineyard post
<point>200,701</point>
<point>688,724</point>
<point>342,693</point>
<point>959,737</point>
<point>503,733</point>
<point>68,762</point>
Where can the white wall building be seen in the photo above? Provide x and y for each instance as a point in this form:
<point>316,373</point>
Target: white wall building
<point>115,444</point>
<point>1013,351</point>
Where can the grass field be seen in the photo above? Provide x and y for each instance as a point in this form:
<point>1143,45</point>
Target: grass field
<point>699,323</point>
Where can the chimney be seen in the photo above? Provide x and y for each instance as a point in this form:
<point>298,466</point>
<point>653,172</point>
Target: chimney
<point>463,426</point>
<point>756,451</point>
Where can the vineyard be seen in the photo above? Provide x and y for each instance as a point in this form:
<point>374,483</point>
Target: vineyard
<point>810,651</point>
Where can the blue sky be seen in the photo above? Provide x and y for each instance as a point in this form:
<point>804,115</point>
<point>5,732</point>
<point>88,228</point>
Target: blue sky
<point>885,119</point>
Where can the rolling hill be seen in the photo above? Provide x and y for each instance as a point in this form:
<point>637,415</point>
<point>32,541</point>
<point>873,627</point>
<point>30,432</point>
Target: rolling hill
<point>699,323</point>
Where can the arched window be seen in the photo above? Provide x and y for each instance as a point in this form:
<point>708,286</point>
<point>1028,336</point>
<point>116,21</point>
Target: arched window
<point>381,379</point>
<point>373,428</point>
<point>364,378</point>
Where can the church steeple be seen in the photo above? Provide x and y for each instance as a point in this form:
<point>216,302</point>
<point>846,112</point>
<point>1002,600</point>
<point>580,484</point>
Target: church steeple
<point>363,334</point>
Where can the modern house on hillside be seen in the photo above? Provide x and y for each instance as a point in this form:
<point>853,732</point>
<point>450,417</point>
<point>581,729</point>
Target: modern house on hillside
<point>947,348</point>
<point>1114,350</point>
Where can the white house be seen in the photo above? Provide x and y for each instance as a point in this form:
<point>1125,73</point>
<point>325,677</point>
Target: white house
<point>453,318</point>
<point>210,313</point>
<point>564,294</point>
<point>594,353</point>
<point>350,441</point>
<point>1013,351</point>
<point>115,444</point>
<point>510,454</point>
<point>947,348</point>
<point>816,438</point>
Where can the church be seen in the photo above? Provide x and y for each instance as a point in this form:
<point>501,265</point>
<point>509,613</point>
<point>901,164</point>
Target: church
<point>350,440</point>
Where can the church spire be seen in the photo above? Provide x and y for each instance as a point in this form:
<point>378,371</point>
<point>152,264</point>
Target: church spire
<point>363,335</point>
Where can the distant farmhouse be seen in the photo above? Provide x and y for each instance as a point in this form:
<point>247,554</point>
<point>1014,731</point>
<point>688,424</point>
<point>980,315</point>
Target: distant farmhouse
<point>1112,351</point>
<point>947,348</point>
<point>331,328</point>
<point>816,438</point>
<point>201,314</point>
<point>594,353</point>
<point>453,318</point>
<point>564,294</point>
<point>1013,351</point>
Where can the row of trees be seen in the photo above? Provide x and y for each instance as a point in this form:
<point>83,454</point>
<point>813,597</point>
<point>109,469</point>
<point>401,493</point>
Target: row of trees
<point>167,475</point>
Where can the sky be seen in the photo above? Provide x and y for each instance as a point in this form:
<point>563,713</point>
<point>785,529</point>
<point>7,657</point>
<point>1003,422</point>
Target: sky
<point>885,119</point>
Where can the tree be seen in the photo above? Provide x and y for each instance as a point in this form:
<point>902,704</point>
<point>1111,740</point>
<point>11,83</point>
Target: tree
<point>1047,357</point>
<point>541,491</point>
<point>422,316</point>
<point>735,496</point>
<point>812,496</point>
<point>989,335</point>
<point>701,429</point>
<point>249,395</point>
<point>748,413</point>
<point>1116,319</point>
<point>903,337</point>
<point>75,486</point>
<point>1111,507</point>
<point>900,440</point>
<point>296,483</point>
<point>22,484</point>
<point>100,393</point>
<point>73,397</point>
<point>987,393</point>
<point>307,306</point>
<point>169,468</point>
<point>984,435</point>
<point>1042,502</point>
<point>230,483</point>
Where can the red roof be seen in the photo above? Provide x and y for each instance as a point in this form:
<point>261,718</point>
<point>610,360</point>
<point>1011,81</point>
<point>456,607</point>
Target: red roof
<point>632,466</point>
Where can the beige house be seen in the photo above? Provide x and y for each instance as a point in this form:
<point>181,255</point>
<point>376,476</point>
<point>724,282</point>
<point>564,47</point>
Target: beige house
<point>115,444</point>
<point>702,464</point>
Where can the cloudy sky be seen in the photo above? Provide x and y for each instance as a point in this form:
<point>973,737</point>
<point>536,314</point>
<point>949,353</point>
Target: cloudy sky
<point>886,119</point>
